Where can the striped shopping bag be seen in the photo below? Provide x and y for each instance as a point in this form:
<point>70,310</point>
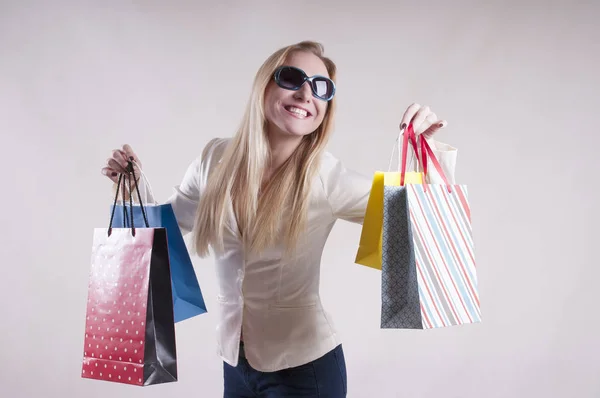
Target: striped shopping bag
<point>429,277</point>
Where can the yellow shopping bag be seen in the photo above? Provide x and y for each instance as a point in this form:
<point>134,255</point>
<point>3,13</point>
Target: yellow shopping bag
<point>369,249</point>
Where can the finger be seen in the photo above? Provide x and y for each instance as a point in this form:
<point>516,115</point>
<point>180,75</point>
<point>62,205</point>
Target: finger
<point>434,128</point>
<point>424,126</point>
<point>409,114</point>
<point>129,154</point>
<point>113,164</point>
<point>120,157</point>
<point>110,173</point>
<point>420,118</point>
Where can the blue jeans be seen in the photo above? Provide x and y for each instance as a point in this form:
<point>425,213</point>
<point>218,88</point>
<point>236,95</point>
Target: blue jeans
<point>323,377</point>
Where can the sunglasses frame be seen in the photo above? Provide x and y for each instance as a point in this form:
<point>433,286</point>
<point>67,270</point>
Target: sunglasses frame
<point>306,79</point>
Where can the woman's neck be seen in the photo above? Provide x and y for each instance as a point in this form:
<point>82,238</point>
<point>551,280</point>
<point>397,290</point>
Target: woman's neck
<point>282,147</point>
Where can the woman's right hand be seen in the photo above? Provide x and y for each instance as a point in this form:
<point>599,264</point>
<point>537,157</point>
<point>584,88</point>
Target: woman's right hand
<point>117,163</point>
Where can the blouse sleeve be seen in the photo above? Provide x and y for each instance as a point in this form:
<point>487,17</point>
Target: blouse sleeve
<point>347,192</point>
<point>185,197</point>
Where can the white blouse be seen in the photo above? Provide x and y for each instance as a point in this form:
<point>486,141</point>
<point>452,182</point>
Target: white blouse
<point>275,301</point>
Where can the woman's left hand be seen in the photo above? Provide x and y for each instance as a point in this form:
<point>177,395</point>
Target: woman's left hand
<point>424,121</point>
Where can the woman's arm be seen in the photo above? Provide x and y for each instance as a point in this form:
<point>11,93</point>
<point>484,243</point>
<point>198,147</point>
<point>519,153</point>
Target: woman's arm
<point>186,194</point>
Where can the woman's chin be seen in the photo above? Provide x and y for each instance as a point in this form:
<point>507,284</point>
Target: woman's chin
<point>295,132</point>
<point>291,129</point>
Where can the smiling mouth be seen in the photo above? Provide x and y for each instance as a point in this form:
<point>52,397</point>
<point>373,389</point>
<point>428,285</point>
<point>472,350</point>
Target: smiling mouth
<point>298,112</point>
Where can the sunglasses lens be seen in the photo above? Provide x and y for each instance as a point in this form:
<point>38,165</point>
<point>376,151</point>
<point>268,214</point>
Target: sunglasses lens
<point>323,87</point>
<point>291,78</point>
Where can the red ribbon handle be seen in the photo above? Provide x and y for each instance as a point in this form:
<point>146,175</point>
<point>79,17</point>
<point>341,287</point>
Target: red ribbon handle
<point>426,151</point>
<point>409,134</point>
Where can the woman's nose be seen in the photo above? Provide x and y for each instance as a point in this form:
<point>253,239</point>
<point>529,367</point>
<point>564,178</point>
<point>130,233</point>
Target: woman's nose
<point>304,93</point>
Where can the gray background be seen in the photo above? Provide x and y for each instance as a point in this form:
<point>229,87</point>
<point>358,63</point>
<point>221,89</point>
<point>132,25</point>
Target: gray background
<point>517,81</point>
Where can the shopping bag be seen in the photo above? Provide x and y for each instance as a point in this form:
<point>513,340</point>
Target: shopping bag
<point>188,300</point>
<point>429,277</point>
<point>369,248</point>
<point>129,326</point>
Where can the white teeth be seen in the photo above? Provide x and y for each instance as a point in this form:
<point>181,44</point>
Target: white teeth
<point>298,111</point>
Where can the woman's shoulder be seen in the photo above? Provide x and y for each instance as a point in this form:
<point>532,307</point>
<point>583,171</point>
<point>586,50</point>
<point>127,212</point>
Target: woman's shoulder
<point>329,163</point>
<point>215,146</point>
<point>212,152</point>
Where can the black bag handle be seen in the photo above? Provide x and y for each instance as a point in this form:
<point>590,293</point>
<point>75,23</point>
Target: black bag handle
<point>130,173</point>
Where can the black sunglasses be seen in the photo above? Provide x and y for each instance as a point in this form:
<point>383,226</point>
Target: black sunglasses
<point>292,78</point>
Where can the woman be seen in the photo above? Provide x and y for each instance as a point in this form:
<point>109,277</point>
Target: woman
<point>265,201</point>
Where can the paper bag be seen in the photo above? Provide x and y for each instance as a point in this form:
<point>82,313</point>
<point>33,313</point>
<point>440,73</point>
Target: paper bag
<point>429,278</point>
<point>369,249</point>
<point>129,326</point>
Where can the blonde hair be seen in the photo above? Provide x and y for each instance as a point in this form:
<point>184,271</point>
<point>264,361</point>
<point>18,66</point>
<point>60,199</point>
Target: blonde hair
<point>238,178</point>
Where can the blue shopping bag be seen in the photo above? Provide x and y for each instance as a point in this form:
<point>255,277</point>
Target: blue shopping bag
<point>187,295</point>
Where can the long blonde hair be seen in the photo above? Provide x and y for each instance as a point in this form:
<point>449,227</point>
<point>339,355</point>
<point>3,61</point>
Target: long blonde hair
<point>238,177</point>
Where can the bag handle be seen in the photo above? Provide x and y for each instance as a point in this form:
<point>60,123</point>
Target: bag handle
<point>147,187</point>
<point>128,176</point>
<point>403,151</point>
<point>409,135</point>
<point>426,151</point>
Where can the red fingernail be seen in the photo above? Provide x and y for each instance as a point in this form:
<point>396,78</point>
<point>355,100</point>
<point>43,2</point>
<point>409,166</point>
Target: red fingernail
<point>113,174</point>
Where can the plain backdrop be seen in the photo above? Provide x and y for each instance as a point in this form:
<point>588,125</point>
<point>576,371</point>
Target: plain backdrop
<point>517,81</point>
